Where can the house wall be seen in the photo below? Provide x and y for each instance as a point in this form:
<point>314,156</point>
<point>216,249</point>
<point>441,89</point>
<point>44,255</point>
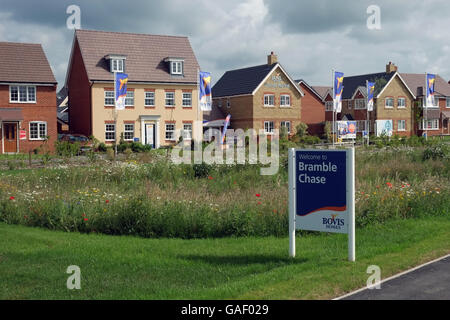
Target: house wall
<point>396,89</point>
<point>313,111</point>
<point>240,109</point>
<point>178,114</point>
<point>43,110</point>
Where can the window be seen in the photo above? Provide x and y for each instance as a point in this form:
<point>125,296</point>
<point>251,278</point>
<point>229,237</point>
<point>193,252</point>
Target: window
<point>228,103</point>
<point>401,103</point>
<point>38,130</point>
<point>170,131</point>
<point>129,99</point>
<point>401,125</point>
<point>430,124</point>
<point>128,134</point>
<point>328,105</point>
<point>389,103</point>
<point>361,125</point>
<point>110,132</point>
<point>187,99</point>
<point>287,125</point>
<point>285,100</point>
<point>109,98</point>
<point>117,65</point>
<point>448,103</point>
<point>268,127</point>
<point>220,103</point>
<point>269,100</point>
<point>436,101</point>
<point>360,103</point>
<point>176,67</point>
<point>170,99</point>
<point>187,131</point>
<point>149,98</point>
<point>22,94</point>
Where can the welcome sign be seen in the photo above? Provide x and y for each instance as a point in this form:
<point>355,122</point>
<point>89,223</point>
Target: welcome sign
<point>321,193</point>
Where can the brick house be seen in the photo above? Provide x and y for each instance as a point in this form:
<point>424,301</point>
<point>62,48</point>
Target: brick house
<point>27,99</point>
<point>161,92</point>
<point>313,107</point>
<point>262,97</point>
<point>393,100</point>
<point>435,118</point>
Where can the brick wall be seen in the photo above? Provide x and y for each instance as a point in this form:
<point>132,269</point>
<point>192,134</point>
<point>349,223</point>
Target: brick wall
<point>313,112</point>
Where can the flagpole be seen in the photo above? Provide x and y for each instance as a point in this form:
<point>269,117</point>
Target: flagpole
<point>425,100</point>
<point>333,130</point>
<point>367,109</point>
<point>115,114</point>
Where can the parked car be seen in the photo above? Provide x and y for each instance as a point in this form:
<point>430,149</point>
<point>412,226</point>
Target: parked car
<point>85,143</point>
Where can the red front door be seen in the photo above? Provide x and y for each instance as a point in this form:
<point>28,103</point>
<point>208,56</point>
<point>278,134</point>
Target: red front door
<point>10,137</point>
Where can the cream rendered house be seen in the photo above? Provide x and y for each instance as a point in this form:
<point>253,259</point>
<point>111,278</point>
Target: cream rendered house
<point>162,96</point>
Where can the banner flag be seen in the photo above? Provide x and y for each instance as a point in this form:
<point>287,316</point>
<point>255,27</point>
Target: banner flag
<point>225,127</point>
<point>205,96</point>
<point>121,90</point>
<point>370,91</point>
<point>431,78</point>
<point>338,89</point>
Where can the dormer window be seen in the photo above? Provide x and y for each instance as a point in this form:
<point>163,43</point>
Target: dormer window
<point>175,66</point>
<point>116,62</point>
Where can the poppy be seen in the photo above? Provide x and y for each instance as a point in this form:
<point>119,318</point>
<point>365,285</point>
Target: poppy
<point>258,195</point>
<point>11,198</point>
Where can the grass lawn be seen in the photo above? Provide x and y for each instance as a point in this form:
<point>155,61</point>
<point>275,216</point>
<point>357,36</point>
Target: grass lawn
<point>33,263</point>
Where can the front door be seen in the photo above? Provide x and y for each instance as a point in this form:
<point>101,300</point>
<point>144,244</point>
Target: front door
<point>10,134</point>
<point>150,134</point>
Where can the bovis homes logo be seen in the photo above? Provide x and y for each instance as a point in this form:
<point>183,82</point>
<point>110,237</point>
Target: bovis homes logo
<point>333,223</point>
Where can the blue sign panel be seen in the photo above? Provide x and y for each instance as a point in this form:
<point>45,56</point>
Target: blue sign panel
<point>321,190</point>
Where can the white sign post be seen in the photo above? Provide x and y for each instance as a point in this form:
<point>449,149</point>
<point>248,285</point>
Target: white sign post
<point>322,193</point>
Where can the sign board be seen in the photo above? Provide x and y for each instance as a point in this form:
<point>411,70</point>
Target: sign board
<point>384,127</point>
<point>321,193</point>
<point>23,135</point>
<point>136,139</point>
<point>347,129</point>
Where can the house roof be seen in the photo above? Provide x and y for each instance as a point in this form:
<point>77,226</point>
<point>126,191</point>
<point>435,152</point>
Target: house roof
<point>24,63</point>
<point>145,55</point>
<point>416,82</point>
<point>246,81</point>
<point>352,83</point>
<point>322,90</point>
<point>300,81</point>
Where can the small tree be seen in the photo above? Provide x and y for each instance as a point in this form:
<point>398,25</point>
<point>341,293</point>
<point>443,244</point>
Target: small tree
<point>301,129</point>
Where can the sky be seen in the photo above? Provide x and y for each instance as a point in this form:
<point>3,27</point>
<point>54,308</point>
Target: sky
<point>310,38</point>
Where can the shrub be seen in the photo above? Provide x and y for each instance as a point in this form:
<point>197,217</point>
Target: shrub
<point>67,149</point>
<point>436,152</point>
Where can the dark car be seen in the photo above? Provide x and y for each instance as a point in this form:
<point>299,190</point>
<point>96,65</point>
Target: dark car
<point>85,143</point>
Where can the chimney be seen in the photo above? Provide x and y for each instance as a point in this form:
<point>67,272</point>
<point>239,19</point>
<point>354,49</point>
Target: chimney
<point>272,58</point>
<point>391,67</point>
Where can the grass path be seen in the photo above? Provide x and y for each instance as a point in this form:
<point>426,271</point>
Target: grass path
<point>33,263</point>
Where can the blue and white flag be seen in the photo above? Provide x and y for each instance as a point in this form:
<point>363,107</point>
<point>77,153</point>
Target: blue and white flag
<point>370,91</point>
<point>225,127</point>
<point>338,85</point>
<point>121,90</point>
<point>431,79</point>
<point>205,96</point>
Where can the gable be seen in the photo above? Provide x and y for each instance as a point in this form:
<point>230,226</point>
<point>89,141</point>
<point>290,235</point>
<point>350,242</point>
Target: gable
<point>278,80</point>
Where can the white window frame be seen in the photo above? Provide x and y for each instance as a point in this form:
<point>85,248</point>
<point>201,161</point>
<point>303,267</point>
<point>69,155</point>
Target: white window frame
<point>129,96</point>
<point>187,133</point>
<point>167,99</point>
<point>268,127</point>
<point>283,104</point>
<point>228,103</point>
<point>152,98</point>
<point>113,125</point>
<point>398,103</point>
<point>187,100</point>
<point>120,65</point>
<point>447,104</point>
<point>27,99</point>
<point>360,104</point>
<point>267,102</point>
<point>176,67</point>
<point>166,131</point>
<point>39,124</point>
<point>434,124</point>
<point>401,127</point>
<point>328,105</point>
<point>436,101</point>
<point>283,124</point>
<point>125,131</point>
<point>112,97</point>
<point>386,105</point>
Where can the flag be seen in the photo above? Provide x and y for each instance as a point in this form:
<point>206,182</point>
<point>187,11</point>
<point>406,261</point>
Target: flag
<point>205,97</point>
<point>370,91</point>
<point>431,78</point>
<point>225,127</point>
<point>338,86</point>
<point>121,90</point>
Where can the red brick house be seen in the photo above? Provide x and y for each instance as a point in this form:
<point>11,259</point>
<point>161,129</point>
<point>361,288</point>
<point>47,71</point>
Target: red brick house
<point>313,108</point>
<point>27,99</point>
